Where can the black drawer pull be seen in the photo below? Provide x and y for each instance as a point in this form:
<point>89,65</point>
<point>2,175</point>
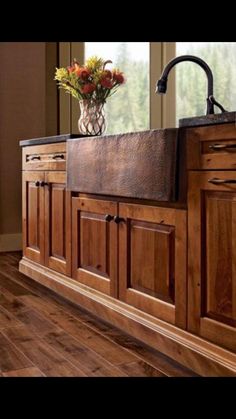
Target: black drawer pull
<point>37,183</point>
<point>30,158</point>
<point>58,156</point>
<point>219,147</point>
<point>216,181</point>
<point>108,217</point>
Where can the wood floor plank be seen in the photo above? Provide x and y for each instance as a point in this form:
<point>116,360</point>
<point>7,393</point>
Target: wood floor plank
<point>10,302</point>
<point>154,358</point>
<point>7,319</point>
<point>58,338</point>
<point>10,357</point>
<point>93,340</point>
<point>141,369</point>
<point>85,359</point>
<point>49,361</point>
<point>7,282</point>
<point>36,322</point>
<point>140,350</point>
<point>24,372</point>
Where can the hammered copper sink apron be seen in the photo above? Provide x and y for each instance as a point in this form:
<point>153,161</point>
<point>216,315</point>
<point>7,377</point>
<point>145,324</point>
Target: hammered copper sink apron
<point>136,165</point>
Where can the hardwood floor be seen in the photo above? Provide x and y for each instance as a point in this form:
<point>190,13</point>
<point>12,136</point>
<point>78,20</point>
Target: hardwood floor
<point>43,335</point>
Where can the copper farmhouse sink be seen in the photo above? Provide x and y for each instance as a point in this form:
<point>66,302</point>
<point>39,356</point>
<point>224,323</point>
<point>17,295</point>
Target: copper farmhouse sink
<point>136,165</point>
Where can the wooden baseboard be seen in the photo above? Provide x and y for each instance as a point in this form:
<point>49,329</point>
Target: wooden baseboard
<point>10,242</point>
<point>203,357</point>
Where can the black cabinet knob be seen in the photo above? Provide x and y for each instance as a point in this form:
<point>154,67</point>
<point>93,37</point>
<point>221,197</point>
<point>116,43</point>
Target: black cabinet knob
<point>118,219</point>
<point>108,217</point>
<point>37,183</point>
<point>43,183</point>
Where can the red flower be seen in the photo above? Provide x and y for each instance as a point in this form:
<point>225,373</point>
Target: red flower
<point>118,77</point>
<point>107,74</point>
<point>83,73</point>
<point>88,88</point>
<point>105,82</point>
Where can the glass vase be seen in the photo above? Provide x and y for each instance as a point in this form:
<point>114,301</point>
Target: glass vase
<point>92,117</point>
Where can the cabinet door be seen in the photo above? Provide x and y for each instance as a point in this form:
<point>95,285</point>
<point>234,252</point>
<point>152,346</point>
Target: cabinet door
<point>57,223</point>
<point>152,261</point>
<point>212,256</point>
<point>94,244</point>
<point>33,216</point>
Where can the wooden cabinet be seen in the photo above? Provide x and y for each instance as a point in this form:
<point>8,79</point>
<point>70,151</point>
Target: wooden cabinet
<point>94,244</point>
<point>164,273</point>
<point>150,244</point>
<point>33,216</point>
<point>152,260</point>
<point>57,223</point>
<point>212,256</point>
<point>211,147</point>
<point>46,219</point>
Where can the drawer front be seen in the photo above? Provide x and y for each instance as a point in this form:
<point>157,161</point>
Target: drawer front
<point>45,157</point>
<point>212,147</point>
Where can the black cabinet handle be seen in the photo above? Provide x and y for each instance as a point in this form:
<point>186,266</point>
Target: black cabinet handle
<point>219,147</point>
<point>34,158</point>
<point>108,217</point>
<point>216,181</point>
<point>118,219</point>
<point>37,183</point>
<point>58,156</point>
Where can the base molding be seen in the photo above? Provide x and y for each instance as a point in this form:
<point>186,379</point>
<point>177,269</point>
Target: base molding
<point>197,354</point>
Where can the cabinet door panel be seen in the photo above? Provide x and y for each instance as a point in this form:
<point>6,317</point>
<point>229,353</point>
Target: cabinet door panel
<point>33,216</point>
<point>94,232</point>
<point>212,257</point>
<point>94,244</point>
<point>57,223</point>
<point>152,261</point>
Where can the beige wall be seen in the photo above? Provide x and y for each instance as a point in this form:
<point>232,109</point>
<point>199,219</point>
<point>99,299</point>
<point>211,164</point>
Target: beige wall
<point>28,109</point>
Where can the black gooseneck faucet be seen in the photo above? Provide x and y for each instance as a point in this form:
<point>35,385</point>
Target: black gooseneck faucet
<point>162,82</point>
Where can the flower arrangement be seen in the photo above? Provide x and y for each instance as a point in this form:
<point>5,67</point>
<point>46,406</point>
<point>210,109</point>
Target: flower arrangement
<point>91,81</point>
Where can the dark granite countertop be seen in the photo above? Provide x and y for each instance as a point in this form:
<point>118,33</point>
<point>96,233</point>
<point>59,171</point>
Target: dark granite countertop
<point>49,140</point>
<point>214,119</point>
<point>197,121</point>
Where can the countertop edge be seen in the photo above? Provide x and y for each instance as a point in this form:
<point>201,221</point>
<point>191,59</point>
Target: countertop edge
<point>206,120</point>
<point>49,140</point>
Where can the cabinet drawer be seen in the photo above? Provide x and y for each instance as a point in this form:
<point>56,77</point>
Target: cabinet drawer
<point>211,147</point>
<point>45,157</point>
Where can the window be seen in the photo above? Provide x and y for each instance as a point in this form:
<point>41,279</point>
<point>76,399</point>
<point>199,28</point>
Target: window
<point>129,109</point>
<point>136,106</point>
<point>191,81</point>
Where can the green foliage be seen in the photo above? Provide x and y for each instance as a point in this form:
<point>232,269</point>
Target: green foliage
<point>129,109</point>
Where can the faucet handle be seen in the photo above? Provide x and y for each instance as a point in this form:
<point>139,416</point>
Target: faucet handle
<point>214,102</point>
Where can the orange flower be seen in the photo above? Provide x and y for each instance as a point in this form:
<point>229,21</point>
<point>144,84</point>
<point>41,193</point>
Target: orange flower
<point>88,88</point>
<point>118,77</point>
<point>83,73</point>
<point>71,69</point>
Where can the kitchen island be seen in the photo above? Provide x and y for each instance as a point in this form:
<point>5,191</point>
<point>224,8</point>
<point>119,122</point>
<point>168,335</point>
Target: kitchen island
<point>155,260</point>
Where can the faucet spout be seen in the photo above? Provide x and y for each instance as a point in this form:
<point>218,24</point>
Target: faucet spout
<point>162,82</point>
